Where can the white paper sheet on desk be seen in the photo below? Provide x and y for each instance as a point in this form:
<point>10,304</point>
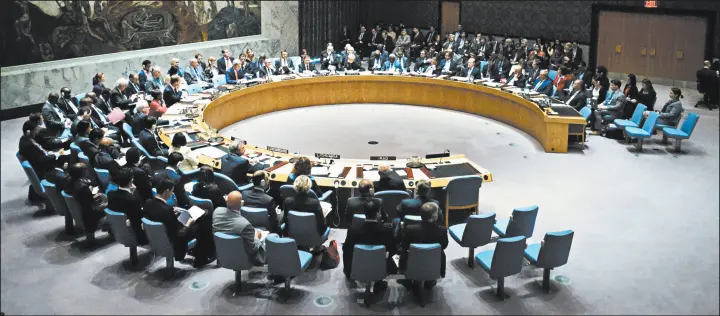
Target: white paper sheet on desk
<point>335,171</point>
<point>191,98</point>
<point>371,175</point>
<point>326,208</point>
<point>209,151</point>
<point>319,171</point>
<point>174,110</point>
<point>401,173</point>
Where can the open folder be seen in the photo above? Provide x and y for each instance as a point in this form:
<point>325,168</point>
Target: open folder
<point>193,212</point>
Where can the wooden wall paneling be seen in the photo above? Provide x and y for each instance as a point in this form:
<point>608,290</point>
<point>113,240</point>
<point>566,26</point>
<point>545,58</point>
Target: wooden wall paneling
<point>450,16</point>
<point>690,39</point>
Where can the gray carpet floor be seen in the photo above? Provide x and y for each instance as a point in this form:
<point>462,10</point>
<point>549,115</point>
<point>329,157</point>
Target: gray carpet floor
<point>646,226</point>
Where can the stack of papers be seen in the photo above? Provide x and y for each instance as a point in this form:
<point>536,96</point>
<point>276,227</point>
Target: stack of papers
<point>210,151</point>
<point>319,171</point>
<point>326,208</point>
<point>194,212</point>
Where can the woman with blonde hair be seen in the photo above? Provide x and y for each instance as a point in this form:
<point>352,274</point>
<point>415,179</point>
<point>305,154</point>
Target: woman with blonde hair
<point>304,202</point>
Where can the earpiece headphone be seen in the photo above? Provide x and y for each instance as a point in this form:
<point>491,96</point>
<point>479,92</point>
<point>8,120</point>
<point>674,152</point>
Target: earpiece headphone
<point>265,181</point>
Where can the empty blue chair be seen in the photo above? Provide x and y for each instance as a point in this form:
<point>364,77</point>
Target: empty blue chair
<point>368,265</point>
<point>503,261</point>
<point>258,217</point>
<point>423,265</point>
<point>645,132</point>
<point>160,242</point>
<point>193,89</point>
<point>552,74</point>
<point>227,185</point>
<point>551,253</point>
<point>635,120</point>
<point>58,203</point>
<point>103,178</point>
<point>586,112</point>
<point>34,180</point>
<point>475,233</point>
<point>520,223</point>
<point>462,193</point>
<point>75,211</point>
<point>283,259</point>
<point>204,204</point>
<point>391,199</point>
<point>684,132</point>
<point>303,228</point>
<point>123,232</point>
<point>230,253</point>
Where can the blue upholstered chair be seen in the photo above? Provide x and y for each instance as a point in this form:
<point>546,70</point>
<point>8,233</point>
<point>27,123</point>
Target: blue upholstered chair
<point>172,201</point>
<point>135,142</point>
<point>157,162</point>
<point>586,112</point>
<point>75,211</point>
<point>412,219</point>
<point>391,199</point>
<point>283,259</point>
<point>368,265</point>
<point>123,232</point>
<point>227,185</point>
<point>424,264</point>
<point>552,74</point>
<point>503,261</point>
<point>684,132</point>
<point>551,253</point>
<point>475,233</point>
<point>160,242</point>
<point>204,204</point>
<point>58,203</point>
<point>103,176</point>
<point>303,228</point>
<point>257,216</point>
<point>520,223</point>
<point>75,148</point>
<point>111,187</point>
<point>193,89</point>
<point>482,65</point>
<point>645,132</point>
<point>358,220</point>
<point>91,175</point>
<point>79,97</point>
<point>230,252</point>
<point>635,120</point>
<point>34,180</point>
<point>462,193</point>
<point>287,190</point>
<point>128,131</point>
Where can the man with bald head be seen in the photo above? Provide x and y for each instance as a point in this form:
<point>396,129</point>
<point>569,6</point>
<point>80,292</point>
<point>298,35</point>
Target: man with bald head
<point>577,97</point>
<point>543,84</point>
<point>357,205</point>
<point>389,180</point>
<point>229,220</point>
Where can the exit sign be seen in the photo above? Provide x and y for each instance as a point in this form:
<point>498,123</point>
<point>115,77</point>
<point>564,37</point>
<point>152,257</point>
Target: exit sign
<point>651,4</point>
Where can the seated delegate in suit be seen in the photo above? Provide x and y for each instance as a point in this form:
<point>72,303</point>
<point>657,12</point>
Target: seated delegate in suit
<point>543,84</point>
<point>141,174</point>
<point>148,139</point>
<point>577,98</point>
<point>79,187</point>
<point>179,145</point>
<point>157,210</point>
<point>53,115</point>
<point>500,69</point>
<point>235,165</point>
<point>172,93</point>
<point>389,180</point>
<point>305,66</point>
<point>67,103</point>
<point>517,78</point>
<point>423,194</point>
<point>229,220</point>
<point>672,110</point>
<point>425,232</point>
<point>91,147</point>
<point>105,158</point>
<point>356,205</point>
<point>256,197</point>
<point>373,232</point>
<point>393,64</point>
<point>206,188</point>
<point>173,172</point>
<point>303,167</point>
<point>194,73</point>
<point>125,200</point>
<point>376,61</point>
<point>471,72</point>
<point>448,65</point>
<point>39,158</point>
<point>211,70</point>
<point>611,108</point>
<point>433,69</point>
<point>134,86</point>
<point>137,120</point>
<point>118,98</point>
<point>155,82</point>
<point>303,202</point>
<point>423,62</point>
<point>284,65</point>
<point>48,139</point>
<point>330,58</point>
<point>352,64</point>
<point>266,70</point>
<point>235,74</point>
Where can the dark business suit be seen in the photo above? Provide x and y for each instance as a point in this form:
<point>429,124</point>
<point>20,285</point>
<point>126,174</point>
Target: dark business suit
<point>519,81</point>
<point>474,73</point>
<point>302,67</point>
<point>157,210</point>
<point>66,105</point>
<point>423,233</point>
<point>80,190</point>
<point>453,66</point>
<point>302,202</point>
<point>141,180</point>
<point>413,207</point>
<point>222,66</point>
<point>256,197</point>
<point>280,70</point>
<point>211,192</point>
<point>131,205</point>
<point>37,157</point>
<point>151,144</point>
<point>532,76</point>
<point>707,84</point>
<point>376,60</point>
<point>389,183</point>
<point>232,76</point>
<point>143,78</point>
<point>266,72</point>
<point>171,96</point>
<point>236,167</point>
<point>331,59</point>
<point>352,66</point>
<point>50,141</point>
<point>370,233</point>
<point>52,118</point>
<point>132,88</point>
<point>119,100</point>
<point>356,205</point>
<point>577,100</point>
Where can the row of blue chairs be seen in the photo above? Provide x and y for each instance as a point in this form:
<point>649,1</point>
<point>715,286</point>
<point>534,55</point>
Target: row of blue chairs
<point>632,130</point>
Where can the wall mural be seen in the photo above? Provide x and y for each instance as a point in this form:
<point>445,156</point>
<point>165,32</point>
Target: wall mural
<point>37,31</point>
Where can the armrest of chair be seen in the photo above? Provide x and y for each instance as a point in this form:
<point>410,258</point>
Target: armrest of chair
<point>245,187</point>
<point>325,195</point>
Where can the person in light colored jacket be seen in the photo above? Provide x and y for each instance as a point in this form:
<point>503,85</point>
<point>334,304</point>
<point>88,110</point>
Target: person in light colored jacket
<point>672,110</point>
<point>179,143</point>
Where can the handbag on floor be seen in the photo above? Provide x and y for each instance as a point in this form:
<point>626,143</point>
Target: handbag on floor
<point>330,257</point>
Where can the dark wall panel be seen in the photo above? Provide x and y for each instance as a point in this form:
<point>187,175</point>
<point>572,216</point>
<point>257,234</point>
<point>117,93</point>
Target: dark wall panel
<point>566,20</point>
<point>411,13</point>
<point>322,22</point>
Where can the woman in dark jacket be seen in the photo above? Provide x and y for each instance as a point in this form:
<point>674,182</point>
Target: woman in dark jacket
<point>602,79</point>
<point>80,188</point>
<point>647,95</point>
<point>631,93</point>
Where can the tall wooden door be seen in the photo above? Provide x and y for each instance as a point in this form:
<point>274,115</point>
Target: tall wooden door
<point>650,45</point>
<point>450,16</point>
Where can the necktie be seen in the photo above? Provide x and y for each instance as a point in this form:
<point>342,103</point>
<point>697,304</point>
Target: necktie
<point>500,68</point>
<point>608,100</point>
<point>307,67</point>
<point>59,113</point>
<point>236,74</point>
<point>71,105</point>
<point>227,63</point>
<point>100,114</point>
<point>469,73</point>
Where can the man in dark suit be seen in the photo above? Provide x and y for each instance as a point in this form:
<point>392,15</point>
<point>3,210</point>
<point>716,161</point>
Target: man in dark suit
<point>138,119</point>
<point>707,84</point>
<point>577,98</point>
<point>413,206</point>
<point>118,98</point>
<point>91,147</point>
<point>330,58</point>
<point>517,78</point>
<point>124,200</point>
<point>141,174</point>
<point>266,70</point>
<point>225,62</point>
<point>134,86</point>
<point>610,109</point>
<point>362,40</point>
<point>48,139</point>
<point>448,65</point>
<point>172,93</point>
<point>376,61</point>
<point>352,63</point>
<point>430,35</point>
<point>417,43</point>
<point>149,140</point>
<point>67,103</point>
<point>357,205</point>
<point>206,188</point>
<point>53,115</point>
<point>471,72</point>
<point>80,188</point>
<point>375,39</point>
<point>501,69</point>
<point>284,65</point>
<point>145,74</point>
<point>158,210</point>
<point>39,158</point>
<point>576,53</point>
<point>426,232</point>
<point>236,73</point>
<point>388,180</point>
<point>235,165</point>
<point>256,197</point>
<point>372,232</point>
<point>534,73</point>
<point>305,65</point>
